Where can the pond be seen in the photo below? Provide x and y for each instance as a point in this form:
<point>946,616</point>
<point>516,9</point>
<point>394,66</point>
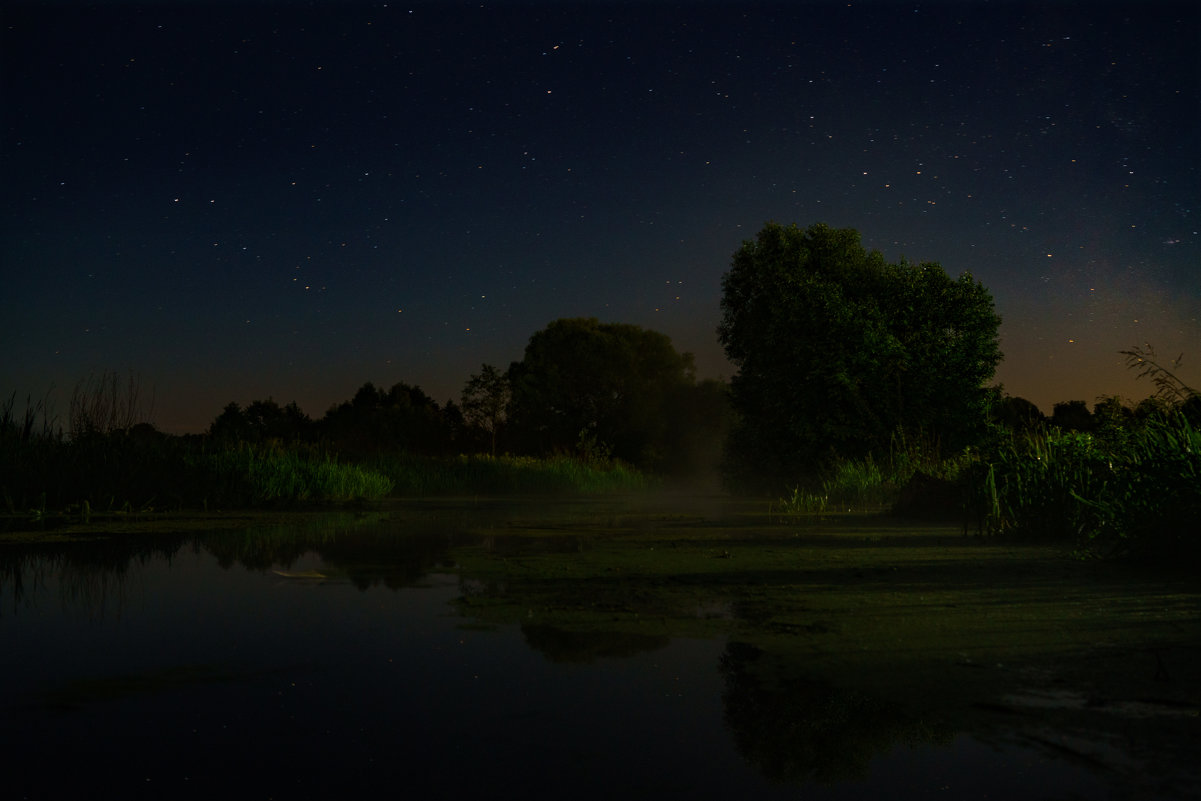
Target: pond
<point>669,647</point>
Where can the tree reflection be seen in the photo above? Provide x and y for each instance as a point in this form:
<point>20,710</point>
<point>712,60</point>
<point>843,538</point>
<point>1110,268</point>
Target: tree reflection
<point>90,574</point>
<point>562,645</point>
<point>795,728</point>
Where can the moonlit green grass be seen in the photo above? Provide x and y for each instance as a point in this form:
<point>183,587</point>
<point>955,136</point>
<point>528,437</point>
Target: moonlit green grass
<point>870,484</point>
<point>43,478</point>
<point>849,485</point>
<point>419,476</point>
<point>280,476</point>
<point>1131,491</point>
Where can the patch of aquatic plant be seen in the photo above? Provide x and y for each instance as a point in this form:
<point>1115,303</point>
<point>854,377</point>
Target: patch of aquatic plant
<point>416,475</point>
<point>44,475</point>
<point>848,485</point>
<point>143,471</point>
<point>874,483</point>
<point>257,476</point>
<point>1132,491</point>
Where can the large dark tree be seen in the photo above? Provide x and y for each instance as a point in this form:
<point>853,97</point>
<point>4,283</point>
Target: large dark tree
<point>600,388</point>
<point>402,419</point>
<point>837,349</point>
<point>261,421</point>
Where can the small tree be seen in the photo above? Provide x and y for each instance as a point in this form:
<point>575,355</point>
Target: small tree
<point>485,401</point>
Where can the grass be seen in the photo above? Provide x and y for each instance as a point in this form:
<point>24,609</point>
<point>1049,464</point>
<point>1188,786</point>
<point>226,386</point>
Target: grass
<point>1123,491</point>
<point>42,477</point>
<point>46,475</point>
<point>254,476</point>
<point>1127,491</point>
<point>873,483</point>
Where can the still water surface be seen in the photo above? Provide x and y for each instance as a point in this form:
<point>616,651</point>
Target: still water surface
<point>340,659</point>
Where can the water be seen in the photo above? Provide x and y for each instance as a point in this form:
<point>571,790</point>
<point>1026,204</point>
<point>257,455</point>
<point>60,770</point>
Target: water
<point>338,661</point>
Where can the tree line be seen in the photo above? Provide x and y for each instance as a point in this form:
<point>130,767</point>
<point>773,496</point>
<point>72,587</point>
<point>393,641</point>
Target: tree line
<point>595,390</point>
<point>837,352</point>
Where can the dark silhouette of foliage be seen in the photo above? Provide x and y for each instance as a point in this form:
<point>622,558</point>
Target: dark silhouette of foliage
<point>1017,414</point>
<point>797,728</point>
<point>836,349</point>
<point>374,421</point>
<point>485,401</point>
<point>598,389</point>
<point>1072,416</point>
<point>1110,413</point>
<point>261,421</point>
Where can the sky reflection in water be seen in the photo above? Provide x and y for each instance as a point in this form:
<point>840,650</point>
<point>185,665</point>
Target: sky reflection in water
<point>178,677</point>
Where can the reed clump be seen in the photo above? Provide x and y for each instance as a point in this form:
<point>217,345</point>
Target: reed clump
<point>100,469</point>
<point>874,483</point>
<point>1128,491</point>
<point>142,470</point>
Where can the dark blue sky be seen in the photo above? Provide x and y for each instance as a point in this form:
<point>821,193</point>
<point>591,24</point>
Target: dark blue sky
<point>242,201</point>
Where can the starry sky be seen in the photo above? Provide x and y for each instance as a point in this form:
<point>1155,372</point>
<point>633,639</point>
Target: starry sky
<point>287,200</point>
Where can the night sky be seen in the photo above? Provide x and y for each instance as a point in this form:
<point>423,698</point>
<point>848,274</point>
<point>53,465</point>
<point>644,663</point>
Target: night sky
<point>285,200</point>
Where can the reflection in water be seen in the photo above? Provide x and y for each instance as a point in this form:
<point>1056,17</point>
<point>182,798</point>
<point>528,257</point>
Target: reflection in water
<point>91,573</point>
<point>562,645</point>
<point>625,654</point>
<point>797,728</point>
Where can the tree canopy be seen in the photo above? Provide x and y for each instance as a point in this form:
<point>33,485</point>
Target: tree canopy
<point>485,402</point>
<point>837,349</point>
<point>604,388</point>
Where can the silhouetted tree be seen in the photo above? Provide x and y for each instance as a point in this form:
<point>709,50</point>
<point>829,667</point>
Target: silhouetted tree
<point>486,402</point>
<point>836,349</point>
<point>1017,413</point>
<point>1151,407</point>
<point>1072,416</point>
<point>1110,413</point>
<point>402,419</point>
<point>231,425</point>
<point>599,388</point>
<point>270,421</point>
<point>261,421</point>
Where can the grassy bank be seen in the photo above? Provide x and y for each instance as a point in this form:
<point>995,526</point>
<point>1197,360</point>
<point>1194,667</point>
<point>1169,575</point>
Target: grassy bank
<point>1129,491</point>
<point>44,476</point>
<point>144,471</point>
<point>879,483</point>
<point>1123,491</point>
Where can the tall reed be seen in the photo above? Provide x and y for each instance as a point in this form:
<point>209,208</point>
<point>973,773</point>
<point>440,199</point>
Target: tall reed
<point>1134,491</point>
